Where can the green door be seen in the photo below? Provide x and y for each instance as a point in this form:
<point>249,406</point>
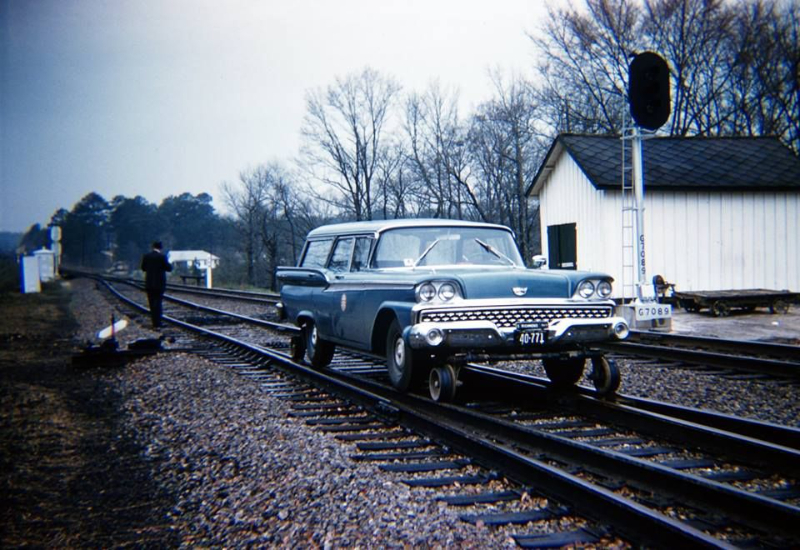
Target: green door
<point>562,246</point>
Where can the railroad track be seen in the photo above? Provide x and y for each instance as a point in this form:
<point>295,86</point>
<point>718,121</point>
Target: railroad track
<point>758,358</point>
<point>631,469</point>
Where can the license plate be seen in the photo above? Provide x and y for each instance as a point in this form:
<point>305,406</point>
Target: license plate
<point>532,338</point>
<point>648,312</point>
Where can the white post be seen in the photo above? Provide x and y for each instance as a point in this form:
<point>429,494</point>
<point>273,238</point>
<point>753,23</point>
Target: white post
<point>638,194</point>
<point>208,270</point>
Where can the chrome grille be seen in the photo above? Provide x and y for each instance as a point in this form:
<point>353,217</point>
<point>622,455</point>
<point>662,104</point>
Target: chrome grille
<point>510,317</point>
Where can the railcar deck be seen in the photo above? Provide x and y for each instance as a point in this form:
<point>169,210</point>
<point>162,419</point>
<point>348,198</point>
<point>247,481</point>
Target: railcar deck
<point>721,302</point>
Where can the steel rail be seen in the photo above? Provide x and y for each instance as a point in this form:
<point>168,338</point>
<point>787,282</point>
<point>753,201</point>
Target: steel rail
<point>631,519</point>
<point>244,295</point>
<point>746,507</point>
<point>754,440</point>
<point>699,357</point>
<point>762,349</point>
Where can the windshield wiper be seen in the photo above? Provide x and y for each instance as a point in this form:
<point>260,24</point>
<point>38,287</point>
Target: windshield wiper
<point>430,247</point>
<point>493,250</point>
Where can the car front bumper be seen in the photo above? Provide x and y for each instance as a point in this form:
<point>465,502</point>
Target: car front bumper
<point>532,337</point>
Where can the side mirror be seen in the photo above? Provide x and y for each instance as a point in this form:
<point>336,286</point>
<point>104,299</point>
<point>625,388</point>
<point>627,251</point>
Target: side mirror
<point>539,262</point>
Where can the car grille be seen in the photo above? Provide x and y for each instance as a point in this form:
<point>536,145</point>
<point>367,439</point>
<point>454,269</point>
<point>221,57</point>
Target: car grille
<point>510,317</point>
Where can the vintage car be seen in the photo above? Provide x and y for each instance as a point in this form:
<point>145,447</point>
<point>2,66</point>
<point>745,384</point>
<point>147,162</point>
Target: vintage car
<point>431,295</point>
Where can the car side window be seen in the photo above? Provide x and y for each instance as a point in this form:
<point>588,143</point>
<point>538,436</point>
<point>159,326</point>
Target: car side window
<point>342,251</point>
<point>361,253</point>
<point>316,253</point>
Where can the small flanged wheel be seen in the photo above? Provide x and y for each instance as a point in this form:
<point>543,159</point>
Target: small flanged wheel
<point>442,383</point>
<point>319,352</point>
<point>297,348</point>
<point>689,306</point>
<point>605,376</point>
<point>720,309</point>
<point>564,372</point>
<point>779,306</point>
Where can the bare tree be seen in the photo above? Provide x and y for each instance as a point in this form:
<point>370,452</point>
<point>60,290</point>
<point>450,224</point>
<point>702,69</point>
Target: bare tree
<point>247,200</point>
<point>345,137</point>
<point>583,64</point>
<point>734,65</point>
<point>506,146</point>
<point>436,155</point>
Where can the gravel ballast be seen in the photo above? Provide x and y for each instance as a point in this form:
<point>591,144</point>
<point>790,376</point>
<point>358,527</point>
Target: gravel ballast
<point>222,464</point>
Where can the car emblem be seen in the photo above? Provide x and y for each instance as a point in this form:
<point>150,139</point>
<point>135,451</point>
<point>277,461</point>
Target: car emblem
<point>520,290</point>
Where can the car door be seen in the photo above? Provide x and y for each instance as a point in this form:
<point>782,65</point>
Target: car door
<point>353,320</point>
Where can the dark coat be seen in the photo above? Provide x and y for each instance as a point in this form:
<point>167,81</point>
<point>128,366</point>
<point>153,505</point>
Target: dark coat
<point>155,266</point>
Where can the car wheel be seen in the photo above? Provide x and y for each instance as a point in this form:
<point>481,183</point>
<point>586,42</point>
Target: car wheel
<point>401,360</point>
<point>319,352</point>
<point>564,372</point>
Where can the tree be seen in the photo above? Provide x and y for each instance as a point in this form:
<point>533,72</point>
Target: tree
<point>85,232</point>
<point>247,201</point>
<point>135,225</point>
<point>188,221</point>
<point>344,138</point>
<point>734,65</point>
<point>583,65</point>
<point>506,147</point>
<point>436,158</point>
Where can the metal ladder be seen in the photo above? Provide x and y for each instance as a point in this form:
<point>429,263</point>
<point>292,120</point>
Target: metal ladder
<point>628,217</point>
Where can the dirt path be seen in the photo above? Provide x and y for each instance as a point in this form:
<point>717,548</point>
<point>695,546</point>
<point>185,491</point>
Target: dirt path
<point>69,475</point>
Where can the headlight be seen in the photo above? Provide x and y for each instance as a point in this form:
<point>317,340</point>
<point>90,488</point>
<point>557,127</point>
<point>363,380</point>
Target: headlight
<point>604,289</point>
<point>437,291</point>
<point>427,292</point>
<point>447,292</point>
<point>586,289</point>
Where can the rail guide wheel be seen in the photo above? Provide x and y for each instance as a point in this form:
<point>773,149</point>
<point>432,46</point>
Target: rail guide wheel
<point>720,309</point>
<point>297,348</point>
<point>442,383</point>
<point>605,376</point>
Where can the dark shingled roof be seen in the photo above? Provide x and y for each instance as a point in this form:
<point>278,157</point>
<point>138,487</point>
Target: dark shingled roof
<point>721,163</point>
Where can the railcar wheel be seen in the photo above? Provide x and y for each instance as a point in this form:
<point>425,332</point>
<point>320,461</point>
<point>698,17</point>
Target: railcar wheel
<point>605,376</point>
<point>720,309</point>
<point>401,360</point>
<point>779,306</point>
<point>319,352</point>
<point>442,383</point>
<point>564,372</point>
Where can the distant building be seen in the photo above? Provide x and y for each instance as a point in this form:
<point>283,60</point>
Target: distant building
<point>720,213</point>
<point>199,259</point>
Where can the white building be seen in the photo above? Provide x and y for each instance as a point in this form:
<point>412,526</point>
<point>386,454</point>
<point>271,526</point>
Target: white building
<point>720,213</point>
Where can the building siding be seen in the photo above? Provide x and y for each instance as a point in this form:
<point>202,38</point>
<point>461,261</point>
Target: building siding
<point>705,240</point>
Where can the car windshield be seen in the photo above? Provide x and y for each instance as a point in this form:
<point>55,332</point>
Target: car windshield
<point>439,246</point>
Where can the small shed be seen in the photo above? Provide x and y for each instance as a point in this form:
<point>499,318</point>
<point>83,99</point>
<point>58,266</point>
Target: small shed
<point>720,213</point>
<point>194,262</point>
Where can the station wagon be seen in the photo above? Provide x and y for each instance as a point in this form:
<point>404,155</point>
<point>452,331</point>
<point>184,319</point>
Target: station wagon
<point>432,295</point>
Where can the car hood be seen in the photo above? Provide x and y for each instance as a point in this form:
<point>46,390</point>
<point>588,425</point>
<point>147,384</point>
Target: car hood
<point>521,283</point>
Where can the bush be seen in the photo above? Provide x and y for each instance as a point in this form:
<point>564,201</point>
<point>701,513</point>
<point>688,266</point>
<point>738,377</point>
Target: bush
<point>9,273</point>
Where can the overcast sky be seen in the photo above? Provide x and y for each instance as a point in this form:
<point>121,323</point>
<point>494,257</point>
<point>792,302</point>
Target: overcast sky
<point>161,97</point>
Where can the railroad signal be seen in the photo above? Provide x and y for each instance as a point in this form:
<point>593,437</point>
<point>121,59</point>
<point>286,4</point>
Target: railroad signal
<point>648,90</point>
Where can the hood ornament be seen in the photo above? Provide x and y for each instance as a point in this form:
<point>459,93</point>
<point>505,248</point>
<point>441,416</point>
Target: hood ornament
<point>520,290</point>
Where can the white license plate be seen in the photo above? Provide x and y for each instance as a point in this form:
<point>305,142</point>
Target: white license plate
<point>532,338</point>
<point>648,312</point>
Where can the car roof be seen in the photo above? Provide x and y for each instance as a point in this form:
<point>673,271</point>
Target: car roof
<point>377,226</point>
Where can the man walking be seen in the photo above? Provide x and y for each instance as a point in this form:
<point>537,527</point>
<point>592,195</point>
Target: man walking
<point>155,266</point>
